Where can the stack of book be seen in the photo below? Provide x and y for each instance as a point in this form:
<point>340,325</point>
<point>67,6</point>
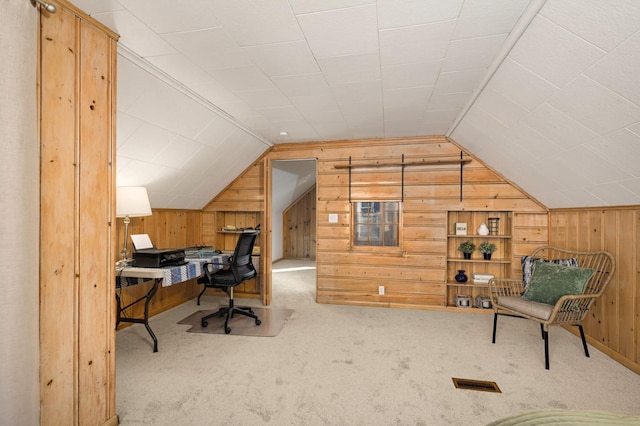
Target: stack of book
<point>481,278</point>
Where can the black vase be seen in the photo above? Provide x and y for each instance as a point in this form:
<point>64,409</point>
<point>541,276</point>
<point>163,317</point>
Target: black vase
<point>461,277</point>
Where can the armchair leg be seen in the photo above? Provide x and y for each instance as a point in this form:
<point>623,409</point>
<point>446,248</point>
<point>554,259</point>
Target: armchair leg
<point>545,336</point>
<point>542,331</point>
<point>495,323</point>
<point>584,341</point>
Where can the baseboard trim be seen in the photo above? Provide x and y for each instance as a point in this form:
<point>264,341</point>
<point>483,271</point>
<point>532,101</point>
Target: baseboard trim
<point>631,365</point>
<point>113,421</point>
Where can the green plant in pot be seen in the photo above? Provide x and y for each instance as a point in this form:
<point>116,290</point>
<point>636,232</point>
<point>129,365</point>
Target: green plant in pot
<point>486,248</point>
<point>467,248</point>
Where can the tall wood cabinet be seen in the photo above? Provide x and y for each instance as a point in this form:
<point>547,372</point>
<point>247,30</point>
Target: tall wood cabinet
<point>76,82</point>
<point>500,263</point>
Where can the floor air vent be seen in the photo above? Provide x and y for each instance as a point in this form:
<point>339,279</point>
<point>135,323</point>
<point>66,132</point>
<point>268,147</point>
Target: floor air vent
<point>477,385</point>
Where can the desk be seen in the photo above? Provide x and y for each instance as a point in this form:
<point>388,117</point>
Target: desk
<point>131,275</point>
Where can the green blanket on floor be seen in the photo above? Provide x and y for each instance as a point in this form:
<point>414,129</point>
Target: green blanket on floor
<point>566,418</point>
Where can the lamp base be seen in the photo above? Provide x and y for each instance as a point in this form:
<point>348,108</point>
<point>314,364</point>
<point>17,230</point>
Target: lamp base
<point>124,262</point>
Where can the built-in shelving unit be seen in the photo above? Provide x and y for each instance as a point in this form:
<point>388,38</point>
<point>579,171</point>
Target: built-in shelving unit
<point>499,265</point>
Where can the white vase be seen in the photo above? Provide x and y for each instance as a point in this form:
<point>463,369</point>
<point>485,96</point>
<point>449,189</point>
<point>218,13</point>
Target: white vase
<point>483,230</point>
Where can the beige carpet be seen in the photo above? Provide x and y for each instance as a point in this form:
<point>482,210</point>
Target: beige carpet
<point>354,365</point>
<point>271,322</point>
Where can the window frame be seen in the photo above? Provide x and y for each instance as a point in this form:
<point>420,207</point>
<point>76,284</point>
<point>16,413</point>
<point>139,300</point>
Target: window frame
<point>382,248</point>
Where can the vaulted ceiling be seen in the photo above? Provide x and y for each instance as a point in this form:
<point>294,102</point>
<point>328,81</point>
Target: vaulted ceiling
<point>545,92</point>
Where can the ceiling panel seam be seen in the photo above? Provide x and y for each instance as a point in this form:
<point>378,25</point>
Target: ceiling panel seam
<point>161,75</point>
<point>531,11</point>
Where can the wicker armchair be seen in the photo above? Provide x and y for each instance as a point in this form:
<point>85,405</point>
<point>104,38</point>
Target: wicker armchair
<point>506,295</point>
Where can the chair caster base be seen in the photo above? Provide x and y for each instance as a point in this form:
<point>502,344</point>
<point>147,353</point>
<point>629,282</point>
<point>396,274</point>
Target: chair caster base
<point>258,322</point>
<point>227,330</point>
<point>204,324</point>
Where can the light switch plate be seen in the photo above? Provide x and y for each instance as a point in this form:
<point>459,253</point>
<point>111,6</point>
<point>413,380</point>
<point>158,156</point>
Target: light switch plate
<point>333,218</point>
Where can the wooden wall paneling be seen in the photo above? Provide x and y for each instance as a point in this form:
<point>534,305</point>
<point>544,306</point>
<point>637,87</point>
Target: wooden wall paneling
<point>246,193</point>
<point>241,204</point>
<point>299,227</point>
<point>58,284</point>
<point>609,299</point>
<point>428,193</point>
<point>96,285</point>
<point>530,231</point>
<point>267,236</point>
<point>613,321</point>
<point>77,309</point>
<point>209,228</point>
<point>166,228</point>
<point>112,417</point>
<point>626,315</point>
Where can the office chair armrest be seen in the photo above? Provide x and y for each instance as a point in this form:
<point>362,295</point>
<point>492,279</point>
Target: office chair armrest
<point>206,271</point>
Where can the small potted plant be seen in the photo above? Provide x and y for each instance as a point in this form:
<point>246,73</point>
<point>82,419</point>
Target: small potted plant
<point>467,248</point>
<point>486,248</point>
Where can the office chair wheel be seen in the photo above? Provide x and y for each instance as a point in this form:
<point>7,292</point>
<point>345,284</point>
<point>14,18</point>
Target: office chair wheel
<point>204,323</point>
<point>258,322</point>
<point>227,330</point>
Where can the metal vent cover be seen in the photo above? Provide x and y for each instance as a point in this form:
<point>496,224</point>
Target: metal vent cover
<point>477,385</point>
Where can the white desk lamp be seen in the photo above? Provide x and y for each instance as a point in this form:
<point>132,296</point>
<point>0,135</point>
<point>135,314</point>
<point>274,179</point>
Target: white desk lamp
<point>131,201</point>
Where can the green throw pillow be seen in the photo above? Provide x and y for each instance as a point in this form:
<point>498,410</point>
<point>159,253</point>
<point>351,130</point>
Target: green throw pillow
<point>550,282</point>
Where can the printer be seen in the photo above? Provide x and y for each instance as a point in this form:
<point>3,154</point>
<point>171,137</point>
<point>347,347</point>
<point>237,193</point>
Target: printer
<point>158,258</point>
<point>146,255</point>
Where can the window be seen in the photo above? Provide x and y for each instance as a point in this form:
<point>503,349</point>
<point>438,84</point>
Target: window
<point>376,223</point>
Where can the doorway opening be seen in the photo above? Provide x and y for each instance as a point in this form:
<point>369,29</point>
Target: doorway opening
<point>293,211</point>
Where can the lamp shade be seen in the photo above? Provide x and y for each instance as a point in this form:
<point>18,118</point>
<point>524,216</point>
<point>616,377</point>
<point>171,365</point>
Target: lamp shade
<point>132,201</point>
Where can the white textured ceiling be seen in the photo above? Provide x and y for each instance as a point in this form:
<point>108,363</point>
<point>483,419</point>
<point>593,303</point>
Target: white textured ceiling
<point>546,93</point>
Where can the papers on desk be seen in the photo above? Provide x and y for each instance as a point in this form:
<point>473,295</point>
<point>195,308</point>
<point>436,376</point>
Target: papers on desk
<point>141,241</point>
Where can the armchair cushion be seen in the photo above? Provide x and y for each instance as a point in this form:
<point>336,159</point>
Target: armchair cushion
<point>528,261</point>
<point>550,281</point>
<point>521,306</point>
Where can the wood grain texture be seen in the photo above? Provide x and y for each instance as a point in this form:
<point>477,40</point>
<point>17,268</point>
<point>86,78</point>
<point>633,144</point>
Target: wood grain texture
<point>299,227</point>
<point>77,108</point>
<point>58,285</point>
<point>352,275</point>
<point>95,265</point>
<point>614,321</point>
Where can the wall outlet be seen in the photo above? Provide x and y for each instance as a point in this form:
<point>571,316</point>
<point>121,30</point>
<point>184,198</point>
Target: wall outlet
<point>381,289</point>
<point>333,218</point>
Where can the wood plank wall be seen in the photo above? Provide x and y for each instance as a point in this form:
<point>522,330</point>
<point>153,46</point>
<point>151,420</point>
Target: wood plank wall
<point>77,180</point>
<point>415,276</point>
<point>241,204</point>
<point>299,228</point>
<point>614,322</point>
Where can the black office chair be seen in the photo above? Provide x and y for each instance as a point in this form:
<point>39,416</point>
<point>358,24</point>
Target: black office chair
<point>240,269</point>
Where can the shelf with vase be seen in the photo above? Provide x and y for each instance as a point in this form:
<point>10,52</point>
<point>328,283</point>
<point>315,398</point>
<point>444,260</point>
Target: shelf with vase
<point>490,231</point>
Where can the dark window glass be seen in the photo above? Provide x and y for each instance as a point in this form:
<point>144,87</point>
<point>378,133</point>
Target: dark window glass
<point>376,223</point>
